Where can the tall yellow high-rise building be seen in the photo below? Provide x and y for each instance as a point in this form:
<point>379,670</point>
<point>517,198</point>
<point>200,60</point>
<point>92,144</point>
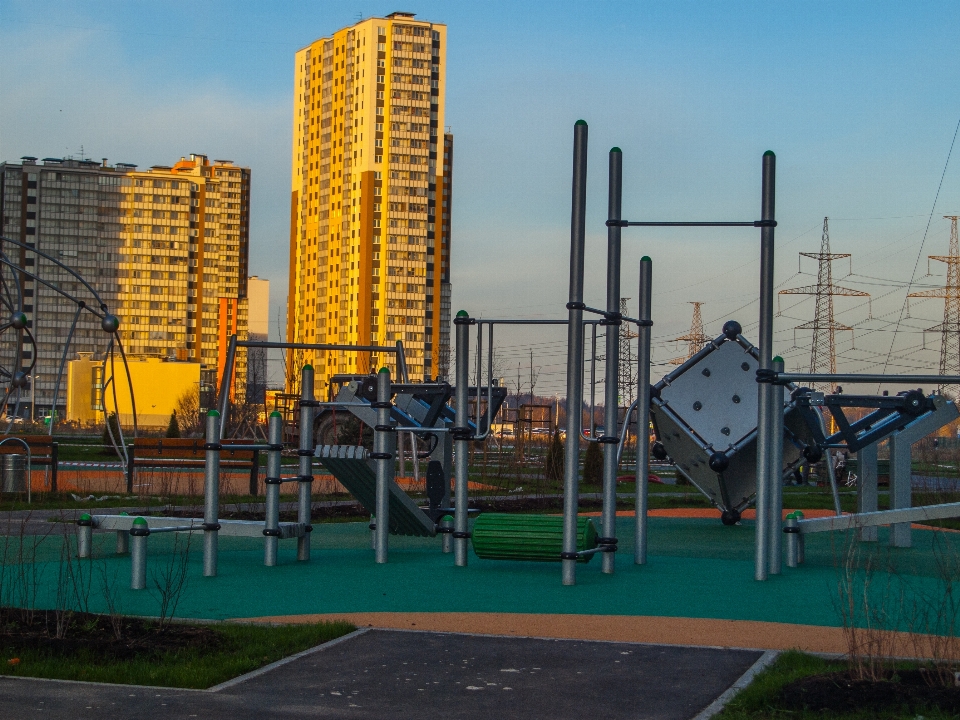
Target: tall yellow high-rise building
<point>371,198</point>
<point>166,248</point>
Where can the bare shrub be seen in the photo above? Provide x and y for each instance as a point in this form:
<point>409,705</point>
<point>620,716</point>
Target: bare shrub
<point>870,602</point>
<point>169,578</point>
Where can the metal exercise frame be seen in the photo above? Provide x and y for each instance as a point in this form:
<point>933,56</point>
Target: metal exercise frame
<point>223,396</point>
<point>133,532</point>
<point>576,307</point>
<point>904,429</point>
<point>483,418</point>
<point>17,379</point>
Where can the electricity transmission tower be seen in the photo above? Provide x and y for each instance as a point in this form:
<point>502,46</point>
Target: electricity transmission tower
<point>695,337</point>
<point>823,351</point>
<point>949,329</point>
<point>628,361</point>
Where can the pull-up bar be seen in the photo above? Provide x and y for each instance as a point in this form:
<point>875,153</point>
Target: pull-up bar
<point>767,425</point>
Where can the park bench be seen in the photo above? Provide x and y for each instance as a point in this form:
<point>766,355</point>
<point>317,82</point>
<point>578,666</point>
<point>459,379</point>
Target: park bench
<point>188,453</point>
<point>43,453</point>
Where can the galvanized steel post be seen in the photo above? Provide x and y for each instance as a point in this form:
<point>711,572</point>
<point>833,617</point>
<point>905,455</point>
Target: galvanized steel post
<point>571,467</point>
<point>792,531</point>
<point>461,437</point>
<point>211,494</point>
<point>305,453</point>
<point>271,524</point>
<point>867,484</point>
<point>775,512</point>
<point>123,542</point>
<point>385,460</point>
<point>84,535</point>
<point>139,533</point>
<point>610,439</point>
<point>765,399</point>
<point>643,412</point>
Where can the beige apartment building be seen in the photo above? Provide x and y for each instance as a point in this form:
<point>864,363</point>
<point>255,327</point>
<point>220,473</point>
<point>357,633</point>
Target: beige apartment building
<point>371,198</point>
<point>166,248</point>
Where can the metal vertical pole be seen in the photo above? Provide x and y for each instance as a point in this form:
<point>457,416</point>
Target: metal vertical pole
<point>775,496</point>
<point>611,398</point>
<point>571,465</point>
<point>643,412</point>
<point>384,459</point>
<point>223,402</point>
<point>211,494</point>
<point>305,453</point>
<point>867,487</point>
<point>461,437</point>
<point>271,525</point>
<point>84,536</point>
<point>765,390</point>
<point>139,533</point>
<point>900,489</point>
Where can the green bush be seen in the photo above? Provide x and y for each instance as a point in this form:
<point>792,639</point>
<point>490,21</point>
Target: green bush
<point>593,465</point>
<point>553,464</point>
<point>173,429</point>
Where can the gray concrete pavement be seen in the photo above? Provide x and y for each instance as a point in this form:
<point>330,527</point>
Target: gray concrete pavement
<point>396,674</point>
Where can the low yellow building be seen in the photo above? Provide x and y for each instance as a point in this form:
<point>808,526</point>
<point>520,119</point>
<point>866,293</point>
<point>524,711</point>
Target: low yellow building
<point>157,385</point>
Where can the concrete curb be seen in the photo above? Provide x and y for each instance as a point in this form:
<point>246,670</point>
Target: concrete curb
<point>283,661</point>
<point>721,702</point>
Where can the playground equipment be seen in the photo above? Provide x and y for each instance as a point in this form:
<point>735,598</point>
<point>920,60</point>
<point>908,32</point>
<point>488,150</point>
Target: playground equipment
<point>735,452</point>
<point>611,316</point>
<point>704,414</point>
<point>271,529</point>
<point>16,332</point>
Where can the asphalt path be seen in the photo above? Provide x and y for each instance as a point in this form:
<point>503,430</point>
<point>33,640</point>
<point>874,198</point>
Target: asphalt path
<point>422,676</point>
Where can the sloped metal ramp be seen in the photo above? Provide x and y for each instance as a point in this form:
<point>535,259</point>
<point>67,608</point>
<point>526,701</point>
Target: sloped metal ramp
<point>350,465</point>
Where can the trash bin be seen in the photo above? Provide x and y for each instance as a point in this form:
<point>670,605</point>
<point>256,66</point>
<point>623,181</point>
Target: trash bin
<point>13,470</point>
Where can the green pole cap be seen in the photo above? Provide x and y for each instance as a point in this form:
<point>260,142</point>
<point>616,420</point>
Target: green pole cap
<point>778,359</point>
<point>85,517</point>
<point>646,258</point>
<point>798,514</point>
<point>124,513</point>
<point>384,370</point>
<point>276,413</point>
<point>769,153</point>
<point>447,518</point>
<point>308,365</point>
<point>213,413</point>
<point>580,122</point>
<point>463,313</point>
<point>140,522</point>
<point>615,149</point>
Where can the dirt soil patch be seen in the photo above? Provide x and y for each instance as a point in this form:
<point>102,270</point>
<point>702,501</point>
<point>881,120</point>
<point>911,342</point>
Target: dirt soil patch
<point>912,690</point>
<point>23,631</point>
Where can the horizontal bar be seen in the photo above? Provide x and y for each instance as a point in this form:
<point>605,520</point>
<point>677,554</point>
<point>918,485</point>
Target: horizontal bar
<point>865,378</point>
<point>181,528</point>
<point>531,322</point>
<point>234,528</point>
<point>752,223</point>
<point>879,517</point>
<point>314,346</point>
<point>254,446</point>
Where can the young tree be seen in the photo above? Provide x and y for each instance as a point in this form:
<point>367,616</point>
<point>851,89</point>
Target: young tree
<point>173,429</point>
<point>553,465</point>
<point>593,465</point>
<point>187,410</point>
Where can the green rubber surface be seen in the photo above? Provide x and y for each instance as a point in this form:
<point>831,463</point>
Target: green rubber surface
<point>696,568</point>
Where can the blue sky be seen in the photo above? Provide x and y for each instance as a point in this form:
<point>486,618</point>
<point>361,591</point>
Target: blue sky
<point>859,100</point>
